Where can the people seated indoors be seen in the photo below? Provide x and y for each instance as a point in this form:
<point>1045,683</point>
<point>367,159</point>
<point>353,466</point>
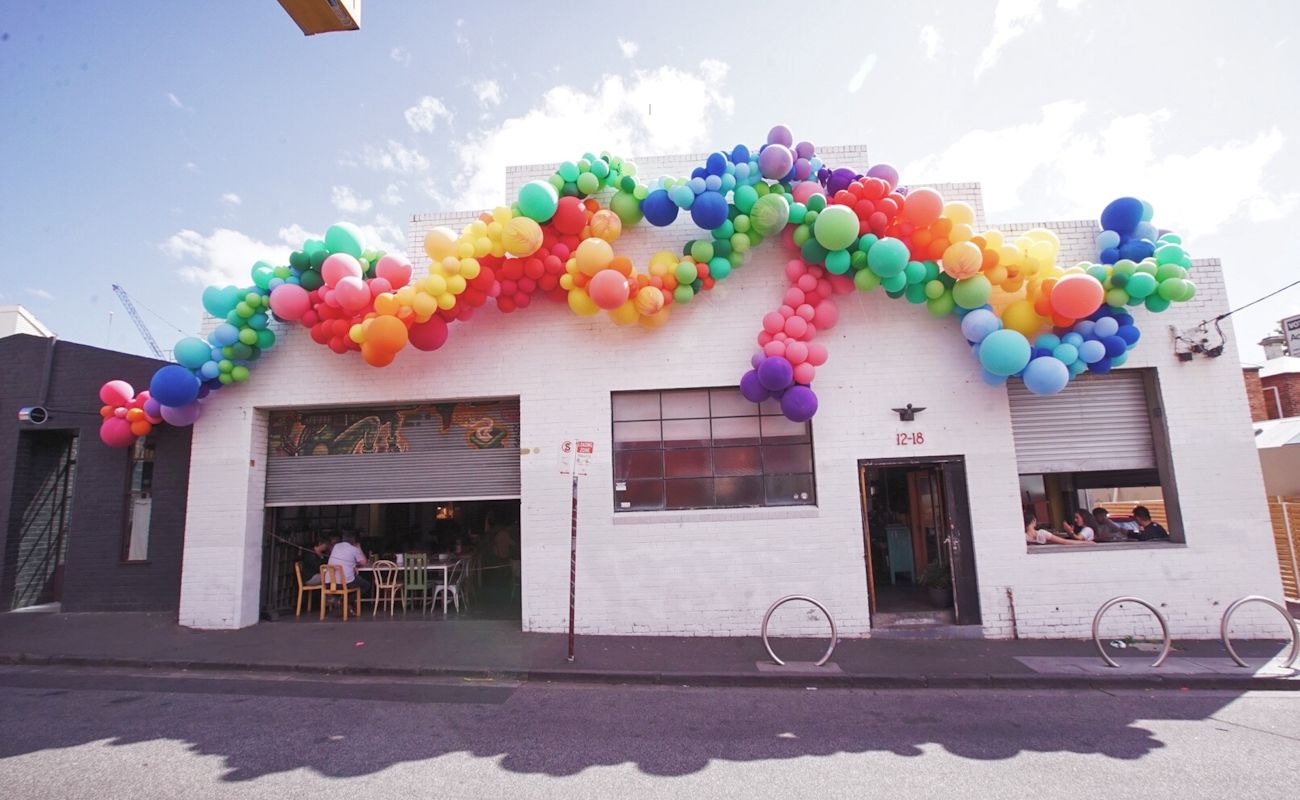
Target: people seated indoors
<point>1107,529</point>
<point>1148,529</point>
<point>1082,526</point>
<point>348,555</point>
<point>1035,535</point>
<point>312,561</point>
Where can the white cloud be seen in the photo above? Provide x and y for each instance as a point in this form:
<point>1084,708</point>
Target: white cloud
<point>425,115</point>
<point>190,166</point>
<point>640,114</point>
<point>1011,18</point>
<point>392,195</point>
<point>401,55</point>
<point>931,41</point>
<point>489,92</point>
<point>176,102</point>
<point>345,200</point>
<point>629,48</point>
<point>392,157</point>
<point>864,69</point>
<point>41,293</point>
<point>231,199</point>
<point>226,256</point>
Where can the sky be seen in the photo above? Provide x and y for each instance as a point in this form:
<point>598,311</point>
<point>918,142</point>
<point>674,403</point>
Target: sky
<point>167,146</point>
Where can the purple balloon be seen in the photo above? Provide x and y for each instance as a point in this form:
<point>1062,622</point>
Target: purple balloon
<point>799,404</point>
<point>751,389</point>
<point>805,149</point>
<point>152,408</point>
<point>775,161</point>
<point>756,359</point>
<point>780,135</point>
<point>802,169</point>
<point>840,179</point>
<point>775,373</point>
<point>886,173</point>
<point>181,415</point>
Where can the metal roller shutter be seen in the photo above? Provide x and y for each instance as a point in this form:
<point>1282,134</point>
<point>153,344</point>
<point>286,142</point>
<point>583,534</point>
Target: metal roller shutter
<point>410,453</point>
<point>1099,422</point>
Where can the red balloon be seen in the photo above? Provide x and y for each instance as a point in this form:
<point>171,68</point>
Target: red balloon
<point>570,217</point>
<point>429,335</point>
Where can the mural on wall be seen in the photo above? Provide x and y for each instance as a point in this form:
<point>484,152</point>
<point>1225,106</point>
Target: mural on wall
<point>353,431</point>
<point>1025,317</point>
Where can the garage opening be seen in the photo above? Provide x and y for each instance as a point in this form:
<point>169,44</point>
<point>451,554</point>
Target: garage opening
<point>433,483</point>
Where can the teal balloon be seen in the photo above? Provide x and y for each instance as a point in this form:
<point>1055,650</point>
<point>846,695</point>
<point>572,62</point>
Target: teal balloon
<point>626,206</point>
<point>262,274</point>
<point>719,268</point>
<point>1141,285</point>
<point>220,301</point>
<point>888,257</point>
<point>1004,352</point>
<point>265,339</point>
<point>344,237</point>
<point>837,262</point>
<point>745,198</point>
<point>192,352</point>
<point>915,293</point>
<point>538,200</point>
<point>894,283</point>
<point>915,272</point>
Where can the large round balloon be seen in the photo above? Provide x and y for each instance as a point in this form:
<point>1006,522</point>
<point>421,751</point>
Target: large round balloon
<point>116,393</point>
<point>799,404</point>
<point>775,373</point>
<point>174,385</point>
<point>836,227</point>
<point>1122,215</point>
<point>116,432</point>
<point>429,335</point>
<point>537,200</point>
<point>1077,296</point>
<point>1004,352</point>
<point>182,415</point>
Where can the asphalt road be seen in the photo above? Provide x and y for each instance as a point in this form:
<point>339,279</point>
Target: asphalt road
<point>104,734</point>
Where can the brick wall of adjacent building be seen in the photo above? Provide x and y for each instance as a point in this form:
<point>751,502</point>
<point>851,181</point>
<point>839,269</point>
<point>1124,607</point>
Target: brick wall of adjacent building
<point>1281,391</point>
<point>1254,394</point>
<point>95,577</point>
<point>715,572</point>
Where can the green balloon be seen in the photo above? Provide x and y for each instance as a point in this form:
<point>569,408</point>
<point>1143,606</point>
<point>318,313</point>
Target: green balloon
<point>299,260</point>
<point>588,183</point>
<point>569,171</point>
<point>942,305</point>
<point>931,270</point>
<point>858,260</point>
<point>722,247</point>
<point>741,224</point>
<point>345,237</point>
<point>719,268</point>
<point>1116,298</point>
<point>836,227</point>
<point>225,365</point>
<point>1166,271</point>
<point>318,258</point>
<point>740,242</point>
<point>1141,285</point>
<point>837,262</point>
<point>225,378</point>
<point>813,252</point>
<point>265,339</point>
<point>627,207</point>
<point>1156,303</point>
<point>244,310</point>
<point>798,211</point>
<point>686,272</point>
<point>1169,254</point>
<point>915,272</point>
<point>702,250</point>
<point>313,246</point>
<point>262,274</point>
<point>894,283</point>
<point>972,292</point>
<point>888,257</point>
<point>745,198</point>
<point>1170,289</point>
<point>817,202</point>
<point>1099,272</point>
<point>248,336</point>
<point>311,280</point>
<point>866,280</point>
<point>683,294</point>
<point>769,214</point>
<point>1188,291</point>
<point>537,200</point>
<point>915,293</point>
<point>556,181</point>
<point>934,289</point>
<point>240,351</point>
<point>239,374</point>
<point>599,168</point>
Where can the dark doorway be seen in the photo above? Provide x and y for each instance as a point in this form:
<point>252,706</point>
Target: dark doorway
<point>920,562</point>
<point>39,518</point>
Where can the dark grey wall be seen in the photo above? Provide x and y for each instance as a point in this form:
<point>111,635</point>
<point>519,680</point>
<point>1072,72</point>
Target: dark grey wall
<point>95,577</point>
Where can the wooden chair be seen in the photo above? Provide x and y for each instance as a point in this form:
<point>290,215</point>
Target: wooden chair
<point>415,578</point>
<point>333,585</point>
<point>454,587</point>
<point>304,588</point>
<point>386,586</point>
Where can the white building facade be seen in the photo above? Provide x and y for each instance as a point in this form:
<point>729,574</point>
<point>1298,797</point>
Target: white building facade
<point>713,572</point>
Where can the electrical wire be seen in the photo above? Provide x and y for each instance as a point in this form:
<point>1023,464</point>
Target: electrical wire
<point>1227,314</point>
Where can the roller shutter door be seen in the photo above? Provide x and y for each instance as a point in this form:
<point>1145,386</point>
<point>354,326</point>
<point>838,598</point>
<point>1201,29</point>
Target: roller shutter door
<point>406,453</point>
<point>1099,422</point>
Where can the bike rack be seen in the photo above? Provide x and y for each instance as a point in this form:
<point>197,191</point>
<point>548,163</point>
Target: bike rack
<point>768,616</point>
<point>1254,598</point>
<point>1114,601</point>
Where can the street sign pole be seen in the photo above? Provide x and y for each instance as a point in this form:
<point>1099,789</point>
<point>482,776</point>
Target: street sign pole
<point>574,460</point>
<point>573,561</point>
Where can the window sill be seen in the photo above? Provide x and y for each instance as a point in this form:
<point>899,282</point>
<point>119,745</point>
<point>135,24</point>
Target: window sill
<point>714,515</point>
<point>1038,549</point>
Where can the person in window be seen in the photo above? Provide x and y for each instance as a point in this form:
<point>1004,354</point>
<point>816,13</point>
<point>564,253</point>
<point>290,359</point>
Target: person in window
<point>312,561</point>
<point>1107,529</point>
<point>1148,529</point>
<point>348,555</point>
<point>1033,535</point>
<point>1083,527</point>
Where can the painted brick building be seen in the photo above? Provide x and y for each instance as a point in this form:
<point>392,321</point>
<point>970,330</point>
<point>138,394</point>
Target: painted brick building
<point>713,571</point>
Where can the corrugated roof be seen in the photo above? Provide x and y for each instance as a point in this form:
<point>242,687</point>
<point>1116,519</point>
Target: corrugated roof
<point>1280,366</point>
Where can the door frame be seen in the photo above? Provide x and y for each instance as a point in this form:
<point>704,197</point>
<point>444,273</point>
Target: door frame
<point>956,508</point>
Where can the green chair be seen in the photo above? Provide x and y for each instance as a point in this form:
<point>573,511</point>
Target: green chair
<point>415,579</point>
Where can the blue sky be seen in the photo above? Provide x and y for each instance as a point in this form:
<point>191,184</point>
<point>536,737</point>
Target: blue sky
<point>166,146</point>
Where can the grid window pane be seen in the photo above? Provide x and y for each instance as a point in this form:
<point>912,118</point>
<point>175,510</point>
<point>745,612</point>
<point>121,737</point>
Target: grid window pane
<point>729,402</point>
<point>692,463</point>
<point>735,430</point>
<point>689,493</point>
<point>640,496</point>
<point>790,490</point>
<point>737,461</point>
<point>635,405</point>
<point>638,464</point>
<point>685,404</point>
<point>686,433</point>
<point>779,430</point>
<point>783,459</point>
<point>739,491</point>
<point>636,435</point>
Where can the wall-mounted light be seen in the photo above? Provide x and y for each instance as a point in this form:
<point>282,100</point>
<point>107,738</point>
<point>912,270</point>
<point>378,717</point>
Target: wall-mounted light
<point>907,413</point>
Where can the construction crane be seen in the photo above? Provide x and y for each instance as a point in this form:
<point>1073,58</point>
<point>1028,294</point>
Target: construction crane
<point>139,323</point>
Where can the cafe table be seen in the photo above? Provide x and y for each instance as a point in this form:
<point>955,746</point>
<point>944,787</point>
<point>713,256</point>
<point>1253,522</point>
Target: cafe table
<point>437,564</point>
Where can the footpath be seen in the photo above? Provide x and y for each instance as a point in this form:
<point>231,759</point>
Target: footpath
<point>498,650</point>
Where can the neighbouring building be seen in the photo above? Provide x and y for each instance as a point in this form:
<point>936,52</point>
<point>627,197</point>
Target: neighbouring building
<point>1273,389</point>
<point>700,510</point>
<point>86,526</point>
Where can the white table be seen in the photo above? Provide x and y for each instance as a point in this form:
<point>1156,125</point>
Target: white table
<point>434,565</point>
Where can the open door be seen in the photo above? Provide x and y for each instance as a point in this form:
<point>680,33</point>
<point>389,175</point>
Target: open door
<point>961,549</point>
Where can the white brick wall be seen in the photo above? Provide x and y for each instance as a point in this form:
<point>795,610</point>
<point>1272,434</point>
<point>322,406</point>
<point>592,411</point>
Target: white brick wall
<point>715,573</point>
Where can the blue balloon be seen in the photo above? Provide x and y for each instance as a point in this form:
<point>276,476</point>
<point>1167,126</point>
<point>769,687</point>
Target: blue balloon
<point>1085,327</point>
<point>698,185</point>
<point>1048,340</point>
<point>1106,240</point>
<point>1100,367</point>
<point>978,324</point>
<point>716,164</point>
<point>742,172</point>
<point>1072,338</point>
<point>1004,352</point>
<point>1067,354</point>
<point>683,196</point>
<point>223,335</point>
<point>698,172</point>
<point>174,385</point>
<point>1115,346</point>
<point>1046,375</point>
<point>709,210</point>
<point>1106,326</point>
<point>1092,351</point>
<point>1109,256</point>
<point>192,352</point>
<point>659,208</point>
<point>1145,230</point>
<point>1129,333</point>
<point>740,154</point>
<point>712,183</point>
<point>209,370</point>
<point>1136,249</point>
<point>1122,215</point>
<point>1123,318</point>
<point>991,379</point>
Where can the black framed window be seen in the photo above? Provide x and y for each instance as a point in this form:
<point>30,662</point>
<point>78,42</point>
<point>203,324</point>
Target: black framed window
<point>707,448</point>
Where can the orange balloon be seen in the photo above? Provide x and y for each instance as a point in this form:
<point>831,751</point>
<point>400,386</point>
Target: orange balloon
<point>141,427</point>
<point>106,411</point>
<point>962,260</point>
<point>649,300</point>
<point>1077,295</point>
<point>386,334</point>
<point>376,357</point>
<point>593,255</point>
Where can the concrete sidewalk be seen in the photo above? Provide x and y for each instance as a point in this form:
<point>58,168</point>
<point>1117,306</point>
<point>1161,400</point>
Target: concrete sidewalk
<point>491,649</point>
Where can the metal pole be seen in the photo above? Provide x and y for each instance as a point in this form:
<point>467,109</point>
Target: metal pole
<point>573,561</point>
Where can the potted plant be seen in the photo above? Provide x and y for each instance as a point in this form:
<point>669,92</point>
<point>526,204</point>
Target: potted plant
<point>937,579</point>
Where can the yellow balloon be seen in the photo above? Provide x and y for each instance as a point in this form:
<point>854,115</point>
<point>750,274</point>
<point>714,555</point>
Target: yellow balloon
<point>456,284</point>
<point>649,300</point>
<point>657,319</point>
<point>960,213</point>
<point>521,236</point>
<point>357,333</point>
<point>593,255</point>
<point>1021,317</point>
<point>470,268</point>
<point>502,214</point>
<point>446,301</point>
<point>450,265</point>
<point>386,303</point>
<point>625,314</point>
<point>465,249</point>
<point>581,303</point>
<point>1044,252</point>
<point>482,246</point>
<point>440,243</point>
<point>994,238</point>
<point>435,285</point>
<point>425,305</point>
<point>961,232</point>
<point>566,281</point>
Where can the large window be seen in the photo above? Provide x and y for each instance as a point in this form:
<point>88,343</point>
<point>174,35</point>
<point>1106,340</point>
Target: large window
<point>707,448</point>
<point>139,509</point>
<point>1101,443</point>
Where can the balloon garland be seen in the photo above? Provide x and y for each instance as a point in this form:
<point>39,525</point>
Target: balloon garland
<point>1022,315</point>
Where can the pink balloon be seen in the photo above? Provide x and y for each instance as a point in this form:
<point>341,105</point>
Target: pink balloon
<point>378,286</point>
<point>608,289</point>
<point>116,432</point>
<point>794,296</point>
<point>395,269</point>
<point>773,321</point>
<point>120,412</point>
<point>807,283</point>
<point>806,189</point>
<point>116,393</point>
<point>786,312</point>
<point>797,352</point>
<point>339,266</point>
<point>290,301</point>
<point>817,354</point>
<point>805,311</point>
<point>826,315</point>
<point>764,337</point>
<point>796,327</point>
<point>804,373</point>
<point>841,284</point>
<point>352,293</point>
<point>774,348</point>
<point>795,269</point>
<point>331,299</point>
<point>181,416</point>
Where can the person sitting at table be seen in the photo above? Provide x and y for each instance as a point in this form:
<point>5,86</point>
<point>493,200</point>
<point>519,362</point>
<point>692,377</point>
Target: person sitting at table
<point>1148,529</point>
<point>1107,529</point>
<point>1033,535</point>
<point>312,561</point>
<point>1083,527</point>
<point>349,556</point>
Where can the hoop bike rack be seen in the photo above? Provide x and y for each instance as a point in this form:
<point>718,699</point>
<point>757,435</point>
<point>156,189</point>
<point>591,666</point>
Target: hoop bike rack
<point>788,598</point>
<point>1114,601</point>
<point>1255,598</point>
